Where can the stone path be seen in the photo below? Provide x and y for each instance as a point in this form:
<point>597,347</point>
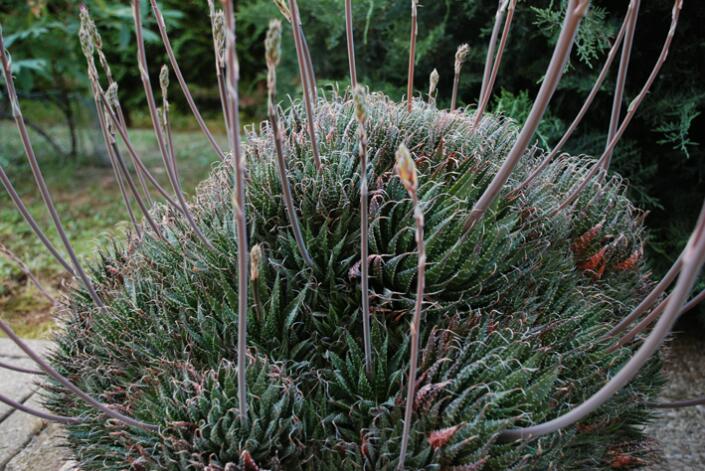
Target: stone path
<point>30,444</point>
<point>27,443</point>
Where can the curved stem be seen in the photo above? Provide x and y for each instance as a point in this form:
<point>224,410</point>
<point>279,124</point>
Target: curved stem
<point>39,177</point>
<point>649,300</point>
<point>69,385</point>
<point>305,81</point>
<point>182,83</point>
<point>495,66</point>
<point>583,111</point>
<point>693,259</point>
<point>286,188</point>
<point>599,165</point>
<point>574,13</point>
<point>622,76</point>
<point>37,413</point>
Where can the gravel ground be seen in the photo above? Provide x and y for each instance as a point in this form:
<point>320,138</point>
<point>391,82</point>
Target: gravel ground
<point>681,432</point>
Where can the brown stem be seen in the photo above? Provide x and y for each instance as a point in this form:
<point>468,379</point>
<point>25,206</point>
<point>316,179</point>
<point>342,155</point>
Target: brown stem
<point>10,255</point>
<point>678,404</point>
<point>495,65</point>
<point>154,115</point>
<point>351,43</point>
<point>310,73</point>
<point>47,368</point>
<point>622,76</point>
<point>20,369</point>
<point>599,165</point>
<point>27,216</point>
<point>412,55</point>
<point>37,413</point>
<point>581,114</point>
<point>415,328</point>
<point>489,60</point>
<point>649,300</point>
<point>305,81</point>
<point>39,177</point>
<point>693,259</point>
<point>574,13</point>
<point>233,76</point>
<point>693,303</point>
<point>182,83</point>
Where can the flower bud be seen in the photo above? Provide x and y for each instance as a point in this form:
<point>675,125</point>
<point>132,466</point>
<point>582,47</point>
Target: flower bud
<point>460,56</point>
<point>360,105</point>
<point>255,257</point>
<point>406,169</point>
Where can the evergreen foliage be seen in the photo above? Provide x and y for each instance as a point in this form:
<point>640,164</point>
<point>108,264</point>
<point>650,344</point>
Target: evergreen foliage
<point>513,312</point>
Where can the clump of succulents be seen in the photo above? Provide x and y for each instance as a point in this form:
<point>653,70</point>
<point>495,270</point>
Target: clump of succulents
<point>511,313</point>
<point>363,284</point>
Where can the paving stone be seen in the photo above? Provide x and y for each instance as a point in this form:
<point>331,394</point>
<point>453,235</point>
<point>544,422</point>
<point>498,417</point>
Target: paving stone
<point>44,452</point>
<point>8,349</point>
<point>17,430</point>
<point>15,385</point>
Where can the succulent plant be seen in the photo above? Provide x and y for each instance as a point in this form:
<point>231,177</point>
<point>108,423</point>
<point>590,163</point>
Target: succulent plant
<point>461,313</point>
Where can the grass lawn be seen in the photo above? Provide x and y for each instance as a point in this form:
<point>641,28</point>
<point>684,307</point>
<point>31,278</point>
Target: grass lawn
<point>91,207</point>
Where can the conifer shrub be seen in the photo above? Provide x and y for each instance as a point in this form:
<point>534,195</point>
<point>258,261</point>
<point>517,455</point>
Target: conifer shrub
<point>511,332</point>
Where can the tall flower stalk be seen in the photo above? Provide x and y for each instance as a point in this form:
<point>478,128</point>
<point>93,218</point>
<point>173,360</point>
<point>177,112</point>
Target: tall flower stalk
<point>350,43</point>
<point>272,45</point>
<point>239,169</point>
<point>306,79</point>
<point>622,77</point>
<point>575,11</point>
<point>460,55</point>
<point>361,116</point>
<point>406,170</point>
<point>412,55</point>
